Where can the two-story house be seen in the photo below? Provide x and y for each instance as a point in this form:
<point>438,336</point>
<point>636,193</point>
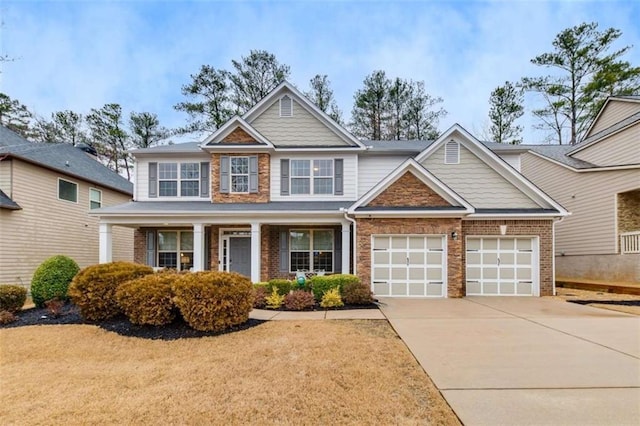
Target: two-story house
<point>598,180</point>
<point>284,189</point>
<point>46,193</point>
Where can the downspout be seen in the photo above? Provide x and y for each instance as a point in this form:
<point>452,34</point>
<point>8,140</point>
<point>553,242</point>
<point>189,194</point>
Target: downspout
<point>353,236</point>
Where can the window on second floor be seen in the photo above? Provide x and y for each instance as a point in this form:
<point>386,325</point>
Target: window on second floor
<point>187,179</point>
<point>67,191</point>
<point>311,177</point>
<point>239,174</point>
<point>95,198</point>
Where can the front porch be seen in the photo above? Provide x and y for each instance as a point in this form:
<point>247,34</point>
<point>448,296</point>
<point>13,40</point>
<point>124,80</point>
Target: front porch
<point>259,250</point>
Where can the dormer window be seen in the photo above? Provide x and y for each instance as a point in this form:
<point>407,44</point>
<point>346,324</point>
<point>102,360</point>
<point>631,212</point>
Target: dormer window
<point>452,152</point>
<point>286,106</point>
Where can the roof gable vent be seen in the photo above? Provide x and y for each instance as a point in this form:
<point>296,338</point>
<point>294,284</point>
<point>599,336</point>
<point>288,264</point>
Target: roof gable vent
<point>286,106</point>
<point>452,152</point>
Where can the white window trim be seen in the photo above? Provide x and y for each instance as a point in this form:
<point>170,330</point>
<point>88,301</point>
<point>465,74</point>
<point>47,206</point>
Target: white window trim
<point>77,190</point>
<point>457,145</point>
<point>178,180</point>
<point>231,175</point>
<point>90,200</point>
<point>178,248</point>
<point>280,106</point>
<point>311,250</point>
<point>311,177</point>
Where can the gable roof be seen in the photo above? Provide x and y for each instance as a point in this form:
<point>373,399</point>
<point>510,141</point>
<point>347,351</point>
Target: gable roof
<point>620,125</point>
<point>65,159</point>
<point>227,128</point>
<point>8,203</point>
<point>310,107</point>
<point>627,98</point>
<point>458,204</point>
<point>496,163</point>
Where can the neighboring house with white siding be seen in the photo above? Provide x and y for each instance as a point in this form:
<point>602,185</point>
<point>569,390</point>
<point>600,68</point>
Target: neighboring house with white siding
<point>598,181</point>
<point>46,193</point>
<point>284,190</point>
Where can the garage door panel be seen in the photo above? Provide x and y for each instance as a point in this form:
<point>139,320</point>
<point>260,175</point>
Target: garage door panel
<point>408,265</point>
<point>500,265</point>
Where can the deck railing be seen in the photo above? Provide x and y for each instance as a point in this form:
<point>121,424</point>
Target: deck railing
<point>630,242</point>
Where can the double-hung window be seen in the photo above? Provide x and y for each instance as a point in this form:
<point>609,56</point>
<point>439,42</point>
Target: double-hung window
<point>175,250</point>
<point>311,250</point>
<point>239,174</point>
<point>311,177</point>
<point>95,198</point>
<point>188,179</point>
<point>67,191</point>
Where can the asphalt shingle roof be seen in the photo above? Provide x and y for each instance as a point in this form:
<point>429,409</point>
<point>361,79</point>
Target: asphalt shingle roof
<point>559,153</point>
<point>7,203</point>
<point>63,158</point>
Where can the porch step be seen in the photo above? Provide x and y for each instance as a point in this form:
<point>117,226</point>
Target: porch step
<point>618,288</point>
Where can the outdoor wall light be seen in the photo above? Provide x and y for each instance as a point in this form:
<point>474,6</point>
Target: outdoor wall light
<point>454,235</point>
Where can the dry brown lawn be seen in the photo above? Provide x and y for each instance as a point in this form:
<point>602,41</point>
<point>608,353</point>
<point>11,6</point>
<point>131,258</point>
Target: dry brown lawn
<point>280,372</point>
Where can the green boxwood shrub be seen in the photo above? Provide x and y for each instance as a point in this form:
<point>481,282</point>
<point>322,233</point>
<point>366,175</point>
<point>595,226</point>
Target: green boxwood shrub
<point>213,301</point>
<point>356,293</point>
<point>321,284</point>
<point>299,300</point>
<point>12,297</point>
<point>51,279</point>
<point>283,286</point>
<point>148,299</point>
<point>93,289</point>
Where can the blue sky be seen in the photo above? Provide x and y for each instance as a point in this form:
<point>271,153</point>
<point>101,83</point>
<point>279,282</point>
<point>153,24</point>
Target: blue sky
<point>82,54</point>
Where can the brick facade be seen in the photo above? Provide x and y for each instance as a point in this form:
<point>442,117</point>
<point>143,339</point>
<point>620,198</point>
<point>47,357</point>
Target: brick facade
<point>368,227</point>
<point>264,184</point>
<point>543,229</point>
<point>140,246</point>
<point>238,136</point>
<point>408,191</point>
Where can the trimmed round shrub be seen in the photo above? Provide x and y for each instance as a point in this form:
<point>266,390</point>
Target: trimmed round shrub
<point>299,300</point>
<point>213,301</point>
<point>283,286</point>
<point>356,293</point>
<point>93,289</point>
<point>51,279</point>
<point>261,294</point>
<point>148,300</point>
<point>320,284</point>
<point>12,297</point>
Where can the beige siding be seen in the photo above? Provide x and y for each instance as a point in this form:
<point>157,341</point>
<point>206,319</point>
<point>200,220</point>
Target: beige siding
<point>372,169</point>
<point>47,226</point>
<point>350,177</point>
<point>618,149</point>
<point>301,129</point>
<point>141,174</point>
<point>5,176</point>
<point>477,182</point>
<point>591,199</point>
<point>615,112</point>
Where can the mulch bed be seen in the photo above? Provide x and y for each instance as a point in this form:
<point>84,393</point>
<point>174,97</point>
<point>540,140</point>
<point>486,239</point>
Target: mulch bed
<point>178,329</point>
<point>607,302</point>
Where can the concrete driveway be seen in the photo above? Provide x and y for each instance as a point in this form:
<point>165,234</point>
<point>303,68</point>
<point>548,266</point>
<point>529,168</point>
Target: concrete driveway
<point>525,361</point>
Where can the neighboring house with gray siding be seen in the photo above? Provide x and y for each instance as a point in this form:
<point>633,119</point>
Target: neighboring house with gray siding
<point>598,181</point>
<point>284,190</point>
<point>46,193</point>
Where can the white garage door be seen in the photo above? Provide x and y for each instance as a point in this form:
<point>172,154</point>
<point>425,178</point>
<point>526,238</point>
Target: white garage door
<point>501,266</point>
<point>408,265</point>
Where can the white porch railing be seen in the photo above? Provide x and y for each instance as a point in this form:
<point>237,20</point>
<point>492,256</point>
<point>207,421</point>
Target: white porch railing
<point>630,242</point>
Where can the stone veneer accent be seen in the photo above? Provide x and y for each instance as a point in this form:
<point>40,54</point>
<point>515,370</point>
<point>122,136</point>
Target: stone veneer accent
<point>367,227</point>
<point>629,211</point>
<point>264,171</point>
<point>540,228</point>
<point>239,136</point>
<point>408,191</point>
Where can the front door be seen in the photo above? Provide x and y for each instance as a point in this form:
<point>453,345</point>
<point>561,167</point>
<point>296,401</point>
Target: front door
<point>240,255</point>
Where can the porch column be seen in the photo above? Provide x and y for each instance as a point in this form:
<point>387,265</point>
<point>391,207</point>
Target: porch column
<point>256,254</point>
<point>198,247</point>
<point>346,239</point>
<point>105,243</point>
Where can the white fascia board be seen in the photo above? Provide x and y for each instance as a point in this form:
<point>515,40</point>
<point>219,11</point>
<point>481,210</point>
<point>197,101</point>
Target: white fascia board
<point>426,177</point>
<point>229,127</point>
<point>587,170</point>
<point>175,220</point>
<point>319,149</point>
<point>302,100</point>
<point>606,103</point>
<point>512,216</point>
<point>580,147</point>
<point>410,214</point>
